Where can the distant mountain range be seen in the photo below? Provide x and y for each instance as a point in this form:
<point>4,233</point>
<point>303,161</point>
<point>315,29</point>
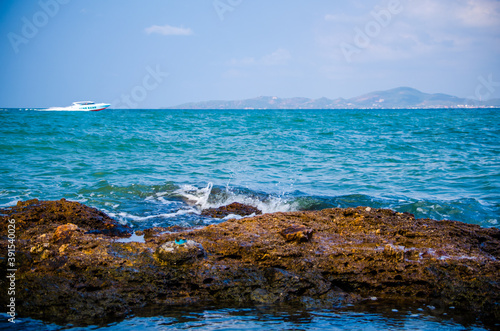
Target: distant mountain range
<point>398,98</point>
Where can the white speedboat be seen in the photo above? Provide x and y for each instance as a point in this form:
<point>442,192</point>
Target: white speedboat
<point>82,106</point>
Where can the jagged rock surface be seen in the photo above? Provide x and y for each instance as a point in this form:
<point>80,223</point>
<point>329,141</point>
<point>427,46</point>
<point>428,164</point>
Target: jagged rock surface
<point>71,268</point>
<point>234,208</point>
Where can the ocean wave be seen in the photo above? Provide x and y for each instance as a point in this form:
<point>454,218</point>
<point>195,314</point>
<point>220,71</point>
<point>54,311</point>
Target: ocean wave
<point>136,218</point>
<point>273,160</point>
<point>212,196</point>
<point>143,205</point>
<point>167,204</point>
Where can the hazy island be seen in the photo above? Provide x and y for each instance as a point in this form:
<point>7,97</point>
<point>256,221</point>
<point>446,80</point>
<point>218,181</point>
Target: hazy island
<point>397,98</point>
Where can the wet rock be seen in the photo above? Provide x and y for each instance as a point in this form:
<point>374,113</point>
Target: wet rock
<point>63,232</point>
<point>262,296</point>
<point>38,248</point>
<point>356,254</point>
<point>179,252</point>
<point>46,214</point>
<point>235,208</point>
<point>155,231</point>
<point>297,233</point>
<point>394,252</point>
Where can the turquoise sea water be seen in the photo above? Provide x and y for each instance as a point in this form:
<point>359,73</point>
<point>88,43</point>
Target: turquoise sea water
<point>161,167</point>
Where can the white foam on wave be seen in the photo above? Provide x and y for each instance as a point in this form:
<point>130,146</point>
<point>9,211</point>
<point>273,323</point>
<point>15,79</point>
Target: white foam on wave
<point>202,198</point>
<point>197,199</point>
<point>197,196</point>
<point>160,199</point>
<point>270,204</point>
<point>112,205</point>
<point>11,203</point>
<point>128,216</point>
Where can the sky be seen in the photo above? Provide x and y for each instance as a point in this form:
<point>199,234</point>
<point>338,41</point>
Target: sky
<point>162,53</point>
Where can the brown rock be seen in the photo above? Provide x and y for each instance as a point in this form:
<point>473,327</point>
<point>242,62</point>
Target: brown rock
<point>297,233</point>
<point>46,214</point>
<point>177,254</point>
<point>235,208</point>
<point>63,232</point>
<point>414,261</point>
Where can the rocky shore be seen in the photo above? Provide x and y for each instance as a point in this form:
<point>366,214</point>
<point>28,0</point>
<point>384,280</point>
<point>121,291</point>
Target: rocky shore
<point>75,264</point>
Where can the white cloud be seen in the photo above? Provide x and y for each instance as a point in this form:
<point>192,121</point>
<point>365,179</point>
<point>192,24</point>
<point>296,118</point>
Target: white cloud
<point>423,28</point>
<point>168,30</point>
<point>464,13</point>
<point>481,13</point>
<point>246,61</point>
<point>343,21</point>
<point>457,26</point>
<point>279,57</point>
<point>341,18</point>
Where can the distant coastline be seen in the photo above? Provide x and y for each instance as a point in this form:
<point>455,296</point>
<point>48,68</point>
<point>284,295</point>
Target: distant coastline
<point>397,98</point>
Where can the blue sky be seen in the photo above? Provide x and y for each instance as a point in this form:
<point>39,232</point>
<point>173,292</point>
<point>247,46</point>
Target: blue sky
<point>160,53</point>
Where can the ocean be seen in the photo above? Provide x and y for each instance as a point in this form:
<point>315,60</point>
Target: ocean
<point>162,167</point>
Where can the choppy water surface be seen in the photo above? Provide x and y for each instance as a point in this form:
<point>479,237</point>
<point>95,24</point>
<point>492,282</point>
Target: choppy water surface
<point>161,167</point>
<point>369,317</point>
